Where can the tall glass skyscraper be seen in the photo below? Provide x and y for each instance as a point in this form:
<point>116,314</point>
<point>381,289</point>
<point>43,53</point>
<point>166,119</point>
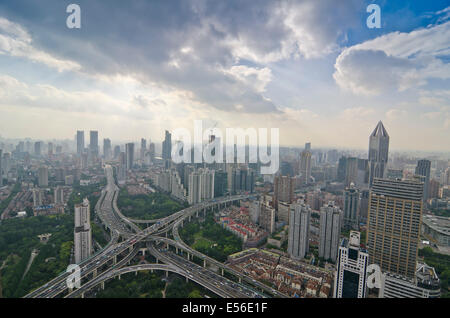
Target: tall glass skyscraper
<point>378,152</point>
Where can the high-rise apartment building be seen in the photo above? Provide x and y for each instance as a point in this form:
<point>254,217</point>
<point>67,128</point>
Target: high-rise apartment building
<point>267,217</point>
<point>194,188</point>
<point>395,210</point>
<point>37,148</point>
<point>82,232</point>
<point>351,269</point>
<point>37,197</point>
<point>143,149</point>
<point>351,207</point>
<point>423,169</point>
<point>330,229</point>
<point>59,195</point>
<point>283,189</point>
<point>298,241</point>
<point>378,152</point>
<point>80,142</point>
<point>43,176</point>
<point>122,169</point>
<point>1,169</point>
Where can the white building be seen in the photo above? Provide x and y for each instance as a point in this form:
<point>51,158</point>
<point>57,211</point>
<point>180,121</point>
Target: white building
<point>330,229</point>
<point>298,242</point>
<point>351,269</point>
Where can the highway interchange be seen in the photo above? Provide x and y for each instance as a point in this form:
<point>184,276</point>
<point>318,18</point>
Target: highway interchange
<point>108,262</point>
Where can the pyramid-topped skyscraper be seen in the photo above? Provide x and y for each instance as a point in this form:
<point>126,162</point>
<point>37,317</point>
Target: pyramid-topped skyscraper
<point>378,152</point>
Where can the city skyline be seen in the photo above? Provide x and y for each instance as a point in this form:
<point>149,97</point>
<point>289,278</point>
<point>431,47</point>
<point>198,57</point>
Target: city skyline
<point>318,82</point>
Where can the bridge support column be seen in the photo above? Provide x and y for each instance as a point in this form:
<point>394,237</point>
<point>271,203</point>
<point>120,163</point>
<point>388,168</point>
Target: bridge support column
<point>102,285</point>
<point>204,263</point>
<point>240,280</point>
<point>135,273</point>
<point>187,279</point>
<point>222,271</point>
<point>196,213</point>
<point>156,260</point>
<point>119,276</point>
<point>115,259</point>
<point>167,273</point>
<point>94,273</point>
<point>130,249</point>
<point>166,234</point>
<point>176,250</point>
<point>82,295</point>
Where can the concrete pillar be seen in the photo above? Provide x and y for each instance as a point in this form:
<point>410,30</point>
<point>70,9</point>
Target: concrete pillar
<point>187,279</point>
<point>103,285</point>
<point>156,260</point>
<point>166,234</point>
<point>176,250</point>
<point>94,273</point>
<point>70,289</point>
<point>240,280</point>
<point>204,263</point>
<point>130,249</point>
<point>135,273</point>
<point>119,276</point>
<point>167,273</point>
<point>82,295</point>
<point>115,259</point>
<point>196,213</point>
<point>222,271</point>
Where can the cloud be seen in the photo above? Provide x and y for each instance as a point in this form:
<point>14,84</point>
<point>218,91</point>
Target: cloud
<point>16,41</point>
<point>395,62</point>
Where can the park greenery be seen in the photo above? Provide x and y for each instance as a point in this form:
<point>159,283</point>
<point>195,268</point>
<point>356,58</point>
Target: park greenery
<point>18,238</point>
<point>147,206</point>
<point>211,239</point>
<point>441,264</point>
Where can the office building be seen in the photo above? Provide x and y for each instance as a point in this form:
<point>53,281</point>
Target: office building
<point>107,151</point>
<point>351,207</point>
<point>298,241</point>
<point>305,164</point>
<point>80,142</point>
<point>394,174</point>
<point>143,149</point>
<point>167,146</point>
<point>330,229</point>
<point>351,269</point>
<point>116,152</point>
<point>129,152</point>
<point>395,211</point>
<point>93,143</point>
<point>423,169</point>
<point>378,152</point>
<point>82,232</point>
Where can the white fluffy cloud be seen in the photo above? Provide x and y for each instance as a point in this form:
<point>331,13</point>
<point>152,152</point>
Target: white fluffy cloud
<point>395,61</point>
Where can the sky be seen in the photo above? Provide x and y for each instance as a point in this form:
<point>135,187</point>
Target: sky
<point>311,68</point>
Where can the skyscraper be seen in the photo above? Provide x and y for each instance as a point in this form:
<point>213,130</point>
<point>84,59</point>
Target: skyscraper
<point>143,149</point>
<point>80,142</point>
<point>330,229</point>
<point>107,151</point>
<point>298,241</point>
<point>122,169</point>
<point>194,188</point>
<point>167,146</point>
<point>351,269</point>
<point>351,207</point>
<point>393,231</point>
<point>93,143</point>
<point>129,151</point>
<point>82,232</point>
<point>378,152</point>
<point>59,195</point>
<point>305,163</point>
<point>423,169</point>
